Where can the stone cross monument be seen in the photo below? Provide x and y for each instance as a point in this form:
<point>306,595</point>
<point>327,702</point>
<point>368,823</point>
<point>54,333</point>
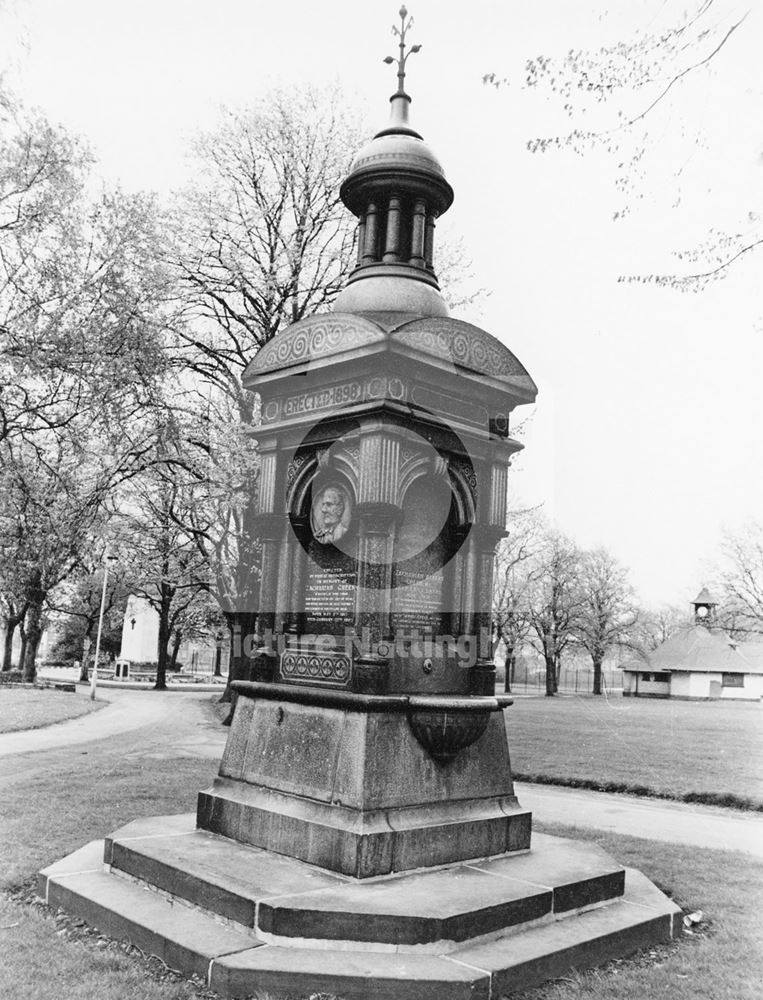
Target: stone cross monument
<point>362,837</point>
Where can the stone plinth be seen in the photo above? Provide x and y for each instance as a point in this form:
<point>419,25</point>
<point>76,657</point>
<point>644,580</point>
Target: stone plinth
<point>349,787</point>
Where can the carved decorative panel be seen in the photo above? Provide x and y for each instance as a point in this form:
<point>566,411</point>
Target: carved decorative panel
<point>304,667</point>
<point>315,337</point>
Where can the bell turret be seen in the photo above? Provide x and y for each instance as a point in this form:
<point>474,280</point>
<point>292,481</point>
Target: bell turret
<point>704,608</point>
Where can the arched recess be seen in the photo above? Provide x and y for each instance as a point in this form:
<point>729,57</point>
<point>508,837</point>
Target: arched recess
<point>326,569</point>
<point>438,510</point>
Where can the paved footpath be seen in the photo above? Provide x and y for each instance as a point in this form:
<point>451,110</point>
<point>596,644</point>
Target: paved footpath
<point>181,726</point>
<point>125,712</point>
<point>653,819</point>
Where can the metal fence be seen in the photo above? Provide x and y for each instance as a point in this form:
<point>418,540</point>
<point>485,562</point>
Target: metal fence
<point>572,680</point>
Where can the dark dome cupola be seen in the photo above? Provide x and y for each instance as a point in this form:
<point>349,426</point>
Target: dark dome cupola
<point>397,189</point>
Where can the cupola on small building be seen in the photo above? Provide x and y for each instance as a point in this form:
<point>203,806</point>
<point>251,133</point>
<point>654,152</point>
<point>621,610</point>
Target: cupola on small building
<point>699,662</point>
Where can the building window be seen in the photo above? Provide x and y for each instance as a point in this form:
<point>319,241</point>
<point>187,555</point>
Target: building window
<point>646,677</point>
<point>663,677</point>
<point>732,680</point>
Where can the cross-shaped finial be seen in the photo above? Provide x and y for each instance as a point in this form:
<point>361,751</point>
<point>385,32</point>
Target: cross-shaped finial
<point>405,24</point>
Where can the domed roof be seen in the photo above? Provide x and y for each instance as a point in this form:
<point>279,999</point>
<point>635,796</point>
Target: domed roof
<point>398,152</point>
<point>396,148</point>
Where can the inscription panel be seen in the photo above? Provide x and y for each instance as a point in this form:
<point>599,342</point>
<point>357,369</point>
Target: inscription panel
<point>421,552</point>
<point>334,396</point>
<point>418,597</point>
<point>331,581</point>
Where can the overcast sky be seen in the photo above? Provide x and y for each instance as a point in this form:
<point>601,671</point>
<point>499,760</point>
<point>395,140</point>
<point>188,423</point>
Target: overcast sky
<point>646,434</point>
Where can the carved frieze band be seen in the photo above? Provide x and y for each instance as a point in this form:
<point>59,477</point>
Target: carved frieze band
<point>461,343</point>
<point>331,669</point>
<point>437,402</point>
<point>313,338</point>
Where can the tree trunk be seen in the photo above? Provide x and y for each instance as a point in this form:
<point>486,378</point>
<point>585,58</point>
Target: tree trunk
<point>550,661</point>
<point>557,671</point>
<point>12,624</point>
<point>508,668</point>
<point>164,638</point>
<point>178,638</point>
<point>84,669</point>
<point>32,636</point>
<point>597,664</point>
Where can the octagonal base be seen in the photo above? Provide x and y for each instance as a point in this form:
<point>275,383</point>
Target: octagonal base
<point>250,921</point>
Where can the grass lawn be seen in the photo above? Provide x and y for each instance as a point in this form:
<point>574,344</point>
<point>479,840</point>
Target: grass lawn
<point>721,960</point>
<point>31,708</point>
<point>54,802</point>
<point>672,748</point>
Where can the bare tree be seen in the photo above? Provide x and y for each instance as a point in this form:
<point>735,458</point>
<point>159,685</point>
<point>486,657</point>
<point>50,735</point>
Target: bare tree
<point>655,625</point>
<point>741,581</point>
<point>260,240</point>
<point>554,596</point>
<point>512,622</point>
<point>605,613</point>
<point>611,95</point>
<point>49,508</point>
<point>163,563</point>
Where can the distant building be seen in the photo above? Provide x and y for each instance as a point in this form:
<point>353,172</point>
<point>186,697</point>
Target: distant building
<point>140,638</point>
<point>140,631</point>
<point>700,662</point>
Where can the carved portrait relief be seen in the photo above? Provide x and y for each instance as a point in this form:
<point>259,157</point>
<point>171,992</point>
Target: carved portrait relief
<point>330,514</point>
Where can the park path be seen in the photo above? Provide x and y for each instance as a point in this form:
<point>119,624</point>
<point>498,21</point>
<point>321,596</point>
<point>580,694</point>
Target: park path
<point>652,819</point>
<point>180,724</point>
<point>126,711</point>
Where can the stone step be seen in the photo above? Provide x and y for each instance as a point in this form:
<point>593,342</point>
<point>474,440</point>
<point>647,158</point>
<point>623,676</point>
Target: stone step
<point>296,900</point>
<point>184,938</point>
<point>219,875</point>
<point>453,904</point>
<point>235,961</point>
<point>642,918</point>
<point>282,973</point>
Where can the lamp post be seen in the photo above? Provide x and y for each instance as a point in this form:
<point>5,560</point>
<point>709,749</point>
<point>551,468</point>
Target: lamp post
<point>94,676</point>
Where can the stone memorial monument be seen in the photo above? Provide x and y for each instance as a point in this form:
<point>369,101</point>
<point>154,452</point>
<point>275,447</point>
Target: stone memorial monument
<point>362,837</point>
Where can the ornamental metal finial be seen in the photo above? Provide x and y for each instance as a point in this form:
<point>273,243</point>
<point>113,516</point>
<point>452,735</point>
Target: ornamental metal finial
<point>406,23</point>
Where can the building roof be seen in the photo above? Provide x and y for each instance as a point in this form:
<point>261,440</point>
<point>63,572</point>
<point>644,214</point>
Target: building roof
<point>704,597</point>
<point>700,650</point>
<point>753,654</point>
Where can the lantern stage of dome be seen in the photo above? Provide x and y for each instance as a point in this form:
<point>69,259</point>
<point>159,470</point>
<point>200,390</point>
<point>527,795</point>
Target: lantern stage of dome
<point>399,156</point>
